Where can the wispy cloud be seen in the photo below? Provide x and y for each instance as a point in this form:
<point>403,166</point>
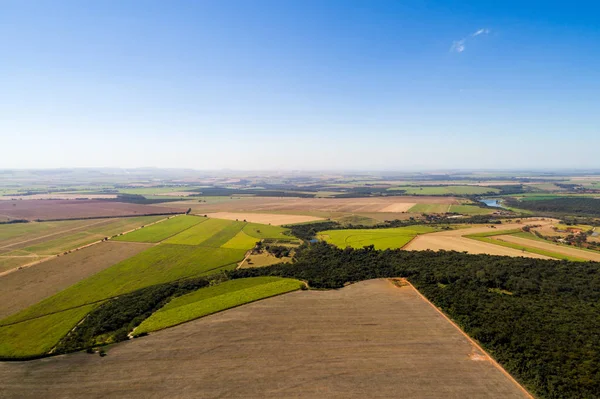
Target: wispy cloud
<point>458,46</point>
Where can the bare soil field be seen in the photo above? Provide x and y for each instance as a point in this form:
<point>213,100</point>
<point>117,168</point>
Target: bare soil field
<point>454,240</point>
<point>25,287</point>
<point>58,196</point>
<point>73,209</point>
<point>291,205</point>
<point>264,218</point>
<point>370,339</point>
<point>579,253</point>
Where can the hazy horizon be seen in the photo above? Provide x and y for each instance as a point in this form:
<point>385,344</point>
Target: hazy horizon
<point>300,85</point>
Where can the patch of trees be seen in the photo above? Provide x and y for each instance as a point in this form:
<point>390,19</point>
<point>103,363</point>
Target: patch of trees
<point>568,205</point>
<point>14,221</point>
<point>113,320</point>
<point>140,199</point>
<point>539,318</point>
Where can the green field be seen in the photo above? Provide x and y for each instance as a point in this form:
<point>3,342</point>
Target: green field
<point>240,241</point>
<point>159,264</point>
<point>393,238</point>
<point>267,231</point>
<point>214,299</point>
<point>446,190</point>
<point>199,233</point>
<point>163,230</point>
<point>40,335</point>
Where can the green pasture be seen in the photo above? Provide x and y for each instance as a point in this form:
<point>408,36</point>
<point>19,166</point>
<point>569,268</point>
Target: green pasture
<point>214,299</point>
<point>199,233</point>
<point>163,230</point>
<point>240,241</point>
<point>470,210</point>
<point>392,238</point>
<point>40,335</point>
<point>159,264</point>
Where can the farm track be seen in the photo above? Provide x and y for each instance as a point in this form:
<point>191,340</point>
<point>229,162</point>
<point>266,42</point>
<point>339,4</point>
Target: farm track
<point>370,339</point>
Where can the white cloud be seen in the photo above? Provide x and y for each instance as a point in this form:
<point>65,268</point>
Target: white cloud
<point>484,31</point>
<point>459,46</point>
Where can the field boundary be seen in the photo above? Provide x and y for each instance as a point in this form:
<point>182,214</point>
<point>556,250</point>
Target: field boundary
<point>471,340</point>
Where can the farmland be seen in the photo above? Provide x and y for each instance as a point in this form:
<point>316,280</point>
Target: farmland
<point>28,286</point>
<point>25,243</point>
<point>359,340</point>
<point>264,218</point>
<point>76,209</point>
<point>446,190</point>
<point>381,238</point>
<point>162,231</point>
<point>214,299</point>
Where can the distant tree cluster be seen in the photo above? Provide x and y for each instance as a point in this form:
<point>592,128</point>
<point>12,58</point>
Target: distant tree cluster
<point>578,206</point>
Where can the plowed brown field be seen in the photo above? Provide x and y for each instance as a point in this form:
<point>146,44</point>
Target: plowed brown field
<point>370,339</point>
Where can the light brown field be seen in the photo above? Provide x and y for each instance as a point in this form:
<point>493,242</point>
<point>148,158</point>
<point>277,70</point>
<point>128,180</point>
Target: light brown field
<point>264,218</point>
<point>454,240</point>
<point>293,205</point>
<point>398,207</point>
<point>73,209</point>
<point>370,339</point>
<point>262,260</point>
<point>562,249</point>
<point>25,287</point>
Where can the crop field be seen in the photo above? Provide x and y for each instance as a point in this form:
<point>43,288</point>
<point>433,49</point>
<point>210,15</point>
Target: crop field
<point>455,240</point>
<point>39,335</point>
<point>446,190</point>
<point>393,238</point>
<point>264,218</point>
<point>159,264</point>
<point>74,209</point>
<point>317,207</point>
<point>199,233</point>
<point>217,298</point>
<point>263,259</point>
<point>163,230</point>
<point>470,210</point>
<point>305,343</point>
<point>26,287</point>
<point>431,208</point>
<point>531,243</point>
<point>240,241</point>
<point>24,243</point>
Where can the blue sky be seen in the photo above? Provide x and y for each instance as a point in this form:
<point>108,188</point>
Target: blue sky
<point>373,85</point>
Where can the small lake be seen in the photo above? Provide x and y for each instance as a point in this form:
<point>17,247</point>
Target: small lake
<point>491,202</point>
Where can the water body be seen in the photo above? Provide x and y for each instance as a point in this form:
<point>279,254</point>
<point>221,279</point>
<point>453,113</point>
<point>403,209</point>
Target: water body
<point>491,202</point>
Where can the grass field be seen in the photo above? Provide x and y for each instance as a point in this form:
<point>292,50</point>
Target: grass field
<point>430,208</point>
<point>199,233</point>
<point>214,299</point>
<point>470,210</point>
<point>39,335</point>
<point>159,264</point>
<point>393,238</point>
<point>446,190</point>
<point>240,241</point>
<point>261,231</point>
<point>162,230</point>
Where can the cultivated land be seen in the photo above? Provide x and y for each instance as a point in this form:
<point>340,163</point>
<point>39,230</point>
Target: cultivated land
<point>368,339</point>
<point>289,205</point>
<point>26,287</point>
<point>392,238</point>
<point>569,251</point>
<point>446,190</point>
<point>264,218</point>
<point>455,240</point>
<point>161,231</point>
<point>74,209</point>
<point>217,298</point>
<point>24,243</point>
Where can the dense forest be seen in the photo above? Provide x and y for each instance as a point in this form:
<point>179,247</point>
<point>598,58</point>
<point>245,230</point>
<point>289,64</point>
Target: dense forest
<point>539,318</point>
<point>572,206</point>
